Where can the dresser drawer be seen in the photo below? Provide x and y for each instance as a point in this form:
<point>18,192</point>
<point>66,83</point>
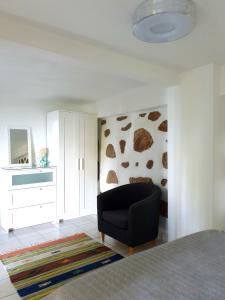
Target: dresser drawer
<point>32,196</point>
<point>28,216</point>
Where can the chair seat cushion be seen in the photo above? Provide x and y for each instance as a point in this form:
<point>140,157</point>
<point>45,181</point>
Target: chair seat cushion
<point>119,218</point>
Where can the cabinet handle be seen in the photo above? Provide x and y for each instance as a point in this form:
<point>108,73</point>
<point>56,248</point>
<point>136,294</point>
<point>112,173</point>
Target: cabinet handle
<point>78,164</point>
<point>82,164</point>
<point>40,189</point>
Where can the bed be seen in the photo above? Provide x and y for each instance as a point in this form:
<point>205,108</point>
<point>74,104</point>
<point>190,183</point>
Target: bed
<point>190,268</point>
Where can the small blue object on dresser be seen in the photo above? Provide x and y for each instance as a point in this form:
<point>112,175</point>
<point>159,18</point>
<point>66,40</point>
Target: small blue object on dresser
<point>44,163</point>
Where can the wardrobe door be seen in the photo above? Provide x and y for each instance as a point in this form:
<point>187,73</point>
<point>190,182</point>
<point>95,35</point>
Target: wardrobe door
<point>88,203</point>
<point>71,165</point>
<point>55,144</point>
<point>82,163</point>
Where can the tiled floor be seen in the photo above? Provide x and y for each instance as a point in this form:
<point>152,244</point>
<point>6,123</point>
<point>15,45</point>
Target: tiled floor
<point>29,236</point>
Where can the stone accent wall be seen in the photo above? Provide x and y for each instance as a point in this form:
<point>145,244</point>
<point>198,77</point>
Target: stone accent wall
<point>134,149</point>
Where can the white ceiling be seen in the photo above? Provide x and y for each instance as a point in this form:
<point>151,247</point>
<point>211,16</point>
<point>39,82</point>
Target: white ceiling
<point>109,22</point>
<point>29,74</point>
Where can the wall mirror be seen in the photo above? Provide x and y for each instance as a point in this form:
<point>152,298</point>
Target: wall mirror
<point>19,147</point>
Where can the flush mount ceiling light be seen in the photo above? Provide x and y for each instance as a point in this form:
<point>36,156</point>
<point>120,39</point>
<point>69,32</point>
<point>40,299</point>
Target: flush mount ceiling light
<point>159,21</point>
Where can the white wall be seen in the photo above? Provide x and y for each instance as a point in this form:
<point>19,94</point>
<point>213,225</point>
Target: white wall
<point>135,100</point>
<point>191,152</point>
<point>219,143</point>
<point>26,115</point>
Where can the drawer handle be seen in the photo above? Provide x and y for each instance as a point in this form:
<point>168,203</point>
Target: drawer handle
<point>40,206</point>
<point>40,189</point>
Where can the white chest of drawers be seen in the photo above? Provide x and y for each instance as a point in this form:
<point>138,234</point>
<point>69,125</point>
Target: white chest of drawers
<point>27,197</point>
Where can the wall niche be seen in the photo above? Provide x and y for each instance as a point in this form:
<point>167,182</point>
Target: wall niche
<point>135,151</point>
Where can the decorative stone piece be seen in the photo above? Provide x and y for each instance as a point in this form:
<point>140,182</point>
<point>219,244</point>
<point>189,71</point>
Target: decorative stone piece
<point>164,182</point>
<point>122,146</point>
<point>107,132</point>
<point>150,164</point>
<point>110,151</point>
<point>137,164</point>
<point>103,122</point>
<point>125,164</point>
<point>164,160</point>
<point>154,115</point>
<point>140,180</point>
<point>163,126</point>
<point>142,140</point>
<point>112,177</point>
<point>142,115</point>
<point>121,118</point>
<point>127,127</point>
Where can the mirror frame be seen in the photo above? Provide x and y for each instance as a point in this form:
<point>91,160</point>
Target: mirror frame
<point>28,144</point>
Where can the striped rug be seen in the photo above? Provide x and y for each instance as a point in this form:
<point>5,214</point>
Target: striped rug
<point>37,271</point>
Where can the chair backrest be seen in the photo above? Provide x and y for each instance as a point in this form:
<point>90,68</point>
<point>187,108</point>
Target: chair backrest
<point>131,193</point>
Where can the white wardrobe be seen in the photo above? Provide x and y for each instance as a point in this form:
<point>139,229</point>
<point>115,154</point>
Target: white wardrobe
<point>72,144</point>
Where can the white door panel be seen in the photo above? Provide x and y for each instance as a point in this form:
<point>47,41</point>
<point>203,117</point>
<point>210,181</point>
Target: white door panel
<point>71,166</point>
<point>82,162</point>
<point>89,203</point>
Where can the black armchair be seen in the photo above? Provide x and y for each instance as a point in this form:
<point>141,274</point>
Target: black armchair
<point>130,213</point>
